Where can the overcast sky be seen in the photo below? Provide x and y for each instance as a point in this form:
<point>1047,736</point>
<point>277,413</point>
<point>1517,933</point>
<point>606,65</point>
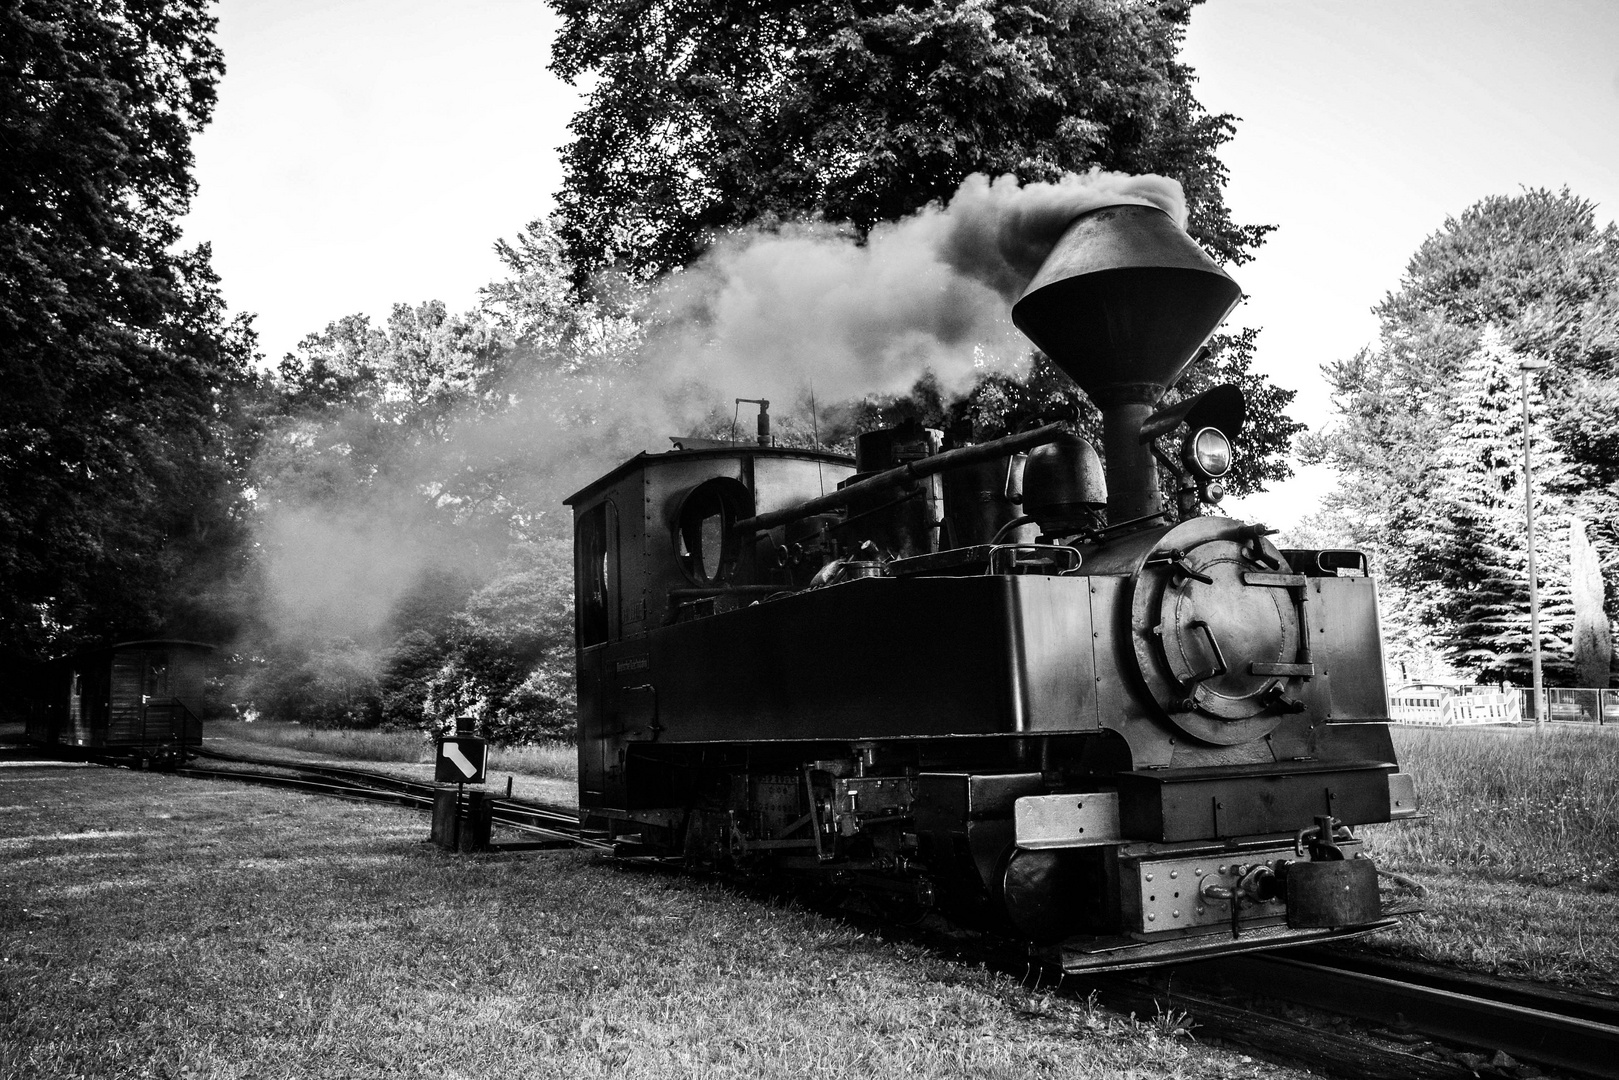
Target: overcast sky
<point>367,152</point>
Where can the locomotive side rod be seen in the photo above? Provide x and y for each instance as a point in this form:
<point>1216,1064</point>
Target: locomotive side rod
<point>905,474</point>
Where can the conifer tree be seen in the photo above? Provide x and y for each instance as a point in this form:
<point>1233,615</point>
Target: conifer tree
<point>1467,567</point>
<point>1537,267</point>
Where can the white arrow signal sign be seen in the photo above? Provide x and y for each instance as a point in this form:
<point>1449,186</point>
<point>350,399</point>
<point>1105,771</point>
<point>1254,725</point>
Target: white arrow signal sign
<point>460,760</point>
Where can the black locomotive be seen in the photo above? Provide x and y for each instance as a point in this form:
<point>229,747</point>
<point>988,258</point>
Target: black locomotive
<point>991,679</point>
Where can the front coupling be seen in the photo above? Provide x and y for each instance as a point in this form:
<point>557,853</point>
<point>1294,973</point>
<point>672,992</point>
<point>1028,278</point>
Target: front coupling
<point>1341,892</point>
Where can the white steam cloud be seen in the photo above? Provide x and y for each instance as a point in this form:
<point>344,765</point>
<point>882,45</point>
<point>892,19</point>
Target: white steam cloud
<point>768,314</point>
<point>762,314</point>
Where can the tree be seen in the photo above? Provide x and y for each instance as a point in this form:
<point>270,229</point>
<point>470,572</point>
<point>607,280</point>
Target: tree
<point>1536,268</point>
<point>122,374</point>
<point>705,115</point>
<point>712,115</point>
<point>412,554</point>
<point>509,658</point>
<point>1471,549</point>
<point>1593,635</point>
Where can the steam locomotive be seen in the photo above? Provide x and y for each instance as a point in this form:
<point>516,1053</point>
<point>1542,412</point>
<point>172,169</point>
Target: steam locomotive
<point>995,680</point>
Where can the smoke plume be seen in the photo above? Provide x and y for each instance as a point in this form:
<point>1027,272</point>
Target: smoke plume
<point>766,314</point>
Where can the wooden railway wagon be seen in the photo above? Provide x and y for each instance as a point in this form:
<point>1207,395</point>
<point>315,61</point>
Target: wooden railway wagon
<point>139,700</point>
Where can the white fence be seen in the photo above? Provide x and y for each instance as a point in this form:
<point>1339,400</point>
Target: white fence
<point>1451,705</point>
<point>1433,705</point>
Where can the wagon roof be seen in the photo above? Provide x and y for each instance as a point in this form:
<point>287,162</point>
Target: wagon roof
<point>643,459</point>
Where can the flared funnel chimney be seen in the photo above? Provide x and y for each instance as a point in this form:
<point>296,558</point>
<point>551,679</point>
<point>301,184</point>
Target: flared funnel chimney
<point>1121,305</point>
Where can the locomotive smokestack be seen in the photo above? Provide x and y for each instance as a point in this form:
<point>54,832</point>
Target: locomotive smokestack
<point>1121,305</point>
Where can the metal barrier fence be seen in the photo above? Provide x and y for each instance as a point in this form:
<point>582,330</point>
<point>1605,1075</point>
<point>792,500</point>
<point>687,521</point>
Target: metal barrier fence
<point>1575,706</point>
<point>1457,705</point>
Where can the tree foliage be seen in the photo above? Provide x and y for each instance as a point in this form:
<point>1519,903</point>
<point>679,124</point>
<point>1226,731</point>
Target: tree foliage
<point>1423,410</point>
<point>413,560</point>
<point>1471,549</point>
<point>121,370</point>
<point>709,114</point>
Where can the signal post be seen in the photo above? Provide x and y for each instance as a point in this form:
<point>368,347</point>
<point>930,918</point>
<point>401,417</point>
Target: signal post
<point>461,819</point>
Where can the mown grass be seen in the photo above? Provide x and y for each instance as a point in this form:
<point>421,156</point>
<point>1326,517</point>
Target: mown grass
<point>555,759</point>
<point>1519,850</point>
<point>1537,806</point>
<point>155,926</point>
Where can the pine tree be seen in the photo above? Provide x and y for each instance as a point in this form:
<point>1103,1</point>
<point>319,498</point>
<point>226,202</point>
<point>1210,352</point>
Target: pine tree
<point>1537,268</point>
<point>1472,552</point>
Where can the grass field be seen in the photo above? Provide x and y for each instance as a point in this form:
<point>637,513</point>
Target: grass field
<point>152,926</point>
<point>1516,805</point>
<point>1520,850</point>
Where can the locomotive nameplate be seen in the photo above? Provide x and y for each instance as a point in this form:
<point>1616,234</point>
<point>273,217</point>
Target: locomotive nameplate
<point>1067,821</point>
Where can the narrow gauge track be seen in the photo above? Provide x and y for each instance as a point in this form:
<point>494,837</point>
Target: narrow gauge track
<point>553,826</point>
<point>1414,1002</point>
<point>1578,1033</point>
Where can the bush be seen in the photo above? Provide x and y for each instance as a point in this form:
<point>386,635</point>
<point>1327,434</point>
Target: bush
<point>509,660</point>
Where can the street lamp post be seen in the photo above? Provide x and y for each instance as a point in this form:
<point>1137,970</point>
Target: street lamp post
<point>1524,368</point>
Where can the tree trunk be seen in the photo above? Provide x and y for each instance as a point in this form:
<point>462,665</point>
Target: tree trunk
<point>1593,638</point>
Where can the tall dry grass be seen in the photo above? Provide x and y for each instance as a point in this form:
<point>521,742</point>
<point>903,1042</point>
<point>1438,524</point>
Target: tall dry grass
<point>1522,804</point>
<point>406,746</point>
<point>554,759</point>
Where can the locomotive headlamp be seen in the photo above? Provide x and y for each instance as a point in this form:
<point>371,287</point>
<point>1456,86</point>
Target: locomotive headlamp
<point>1207,452</point>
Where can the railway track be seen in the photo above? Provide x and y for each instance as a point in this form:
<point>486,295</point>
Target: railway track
<point>1425,1005</point>
<point>1425,1022</point>
<point>552,826</point>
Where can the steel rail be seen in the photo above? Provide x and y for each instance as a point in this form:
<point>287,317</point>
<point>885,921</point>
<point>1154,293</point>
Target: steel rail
<point>533,812</point>
<point>333,788</point>
<point>1464,1011</point>
<point>1600,1008</point>
<point>555,827</point>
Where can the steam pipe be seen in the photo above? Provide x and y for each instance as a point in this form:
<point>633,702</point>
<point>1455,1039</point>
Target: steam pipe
<point>904,474</point>
<point>1132,488</point>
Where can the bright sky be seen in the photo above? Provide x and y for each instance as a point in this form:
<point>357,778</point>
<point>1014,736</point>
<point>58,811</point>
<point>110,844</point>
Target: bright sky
<point>367,152</point>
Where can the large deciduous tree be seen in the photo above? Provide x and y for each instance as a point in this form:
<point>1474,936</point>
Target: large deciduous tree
<point>412,551</point>
<point>118,364</point>
<point>709,114</point>
<point>1535,274</point>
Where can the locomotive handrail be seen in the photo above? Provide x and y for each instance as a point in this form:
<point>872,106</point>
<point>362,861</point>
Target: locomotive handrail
<point>904,474</point>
